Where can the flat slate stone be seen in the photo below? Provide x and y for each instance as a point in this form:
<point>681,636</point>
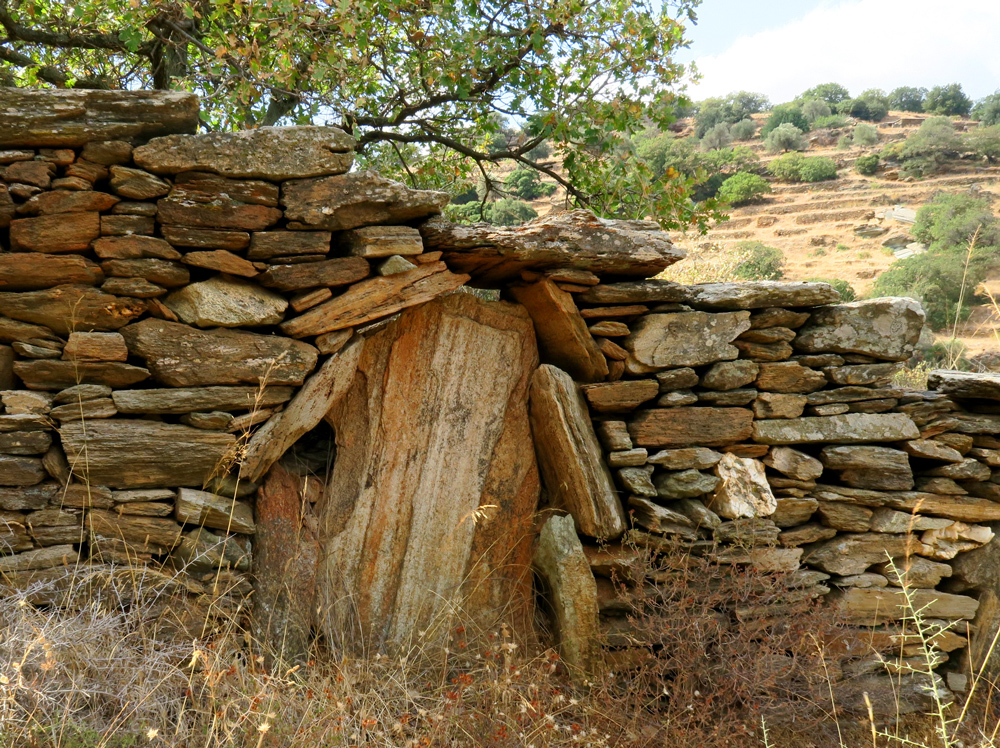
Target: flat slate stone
<point>123,453</point>
<point>187,400</point>
<point>340,271</point>
<point>24,271</point>
<point>73,117</point>
<point>374,298</point>
<point>686,338</point>
<point>273,153</point>
<point>886,328</point>
<point>358,199</point>
<point>61,201</point>
<point>850,428</point>
<point>69,308</point>
<point>635,292</point>
<point>218,512</point>
<point>270,245</point>
<point>52,375</point>
<point>63,232</point>
<point>182,356</point>
<point>685,427</point>
<point>221,213</point>
<point>574,239</point>
<point>186,236</point>
<point>760,295</point>
<point>137,184</point>
<point>985,386</point>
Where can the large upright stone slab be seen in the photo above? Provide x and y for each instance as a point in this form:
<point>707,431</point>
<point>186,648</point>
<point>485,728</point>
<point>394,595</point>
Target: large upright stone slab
<point>569,455</point>
<point>574,239</point>
<point>73,117</point>
<point>123,453</point>
<point>563,338</point>
<point>182,356</point>
<point>886,328</point>
<point>428,512</point>
<point>362,198</point>
<point>273,153</point>
<point>686,338</point>
<point>561,562</point>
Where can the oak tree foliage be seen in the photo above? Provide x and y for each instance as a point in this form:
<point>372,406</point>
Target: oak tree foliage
<point>436,92</point>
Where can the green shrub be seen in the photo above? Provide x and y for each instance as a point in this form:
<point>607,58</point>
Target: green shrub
<point>865,134</point>
<point>527,184</point>
<point>716,138</point>
<point>987,109</point>
<point>844,288</point>
<point>949,221</point>
<point>985,141</point>
<point>786,137</point>
<point>743,188</point>
<point>815,108</point>
<point>817,169</point>
<point>733,108</point>
<point>842,248</point>
<point>867,165</point>
<point>818,252</point>
<point>785,114</point>
<point>745,129</point>
<point>871,108</point>
<point>930,147</point>
<point>948,100</point>
<point>787,168</point>
<point>794,167</point>
<point>935,279</point>
<point>832,122</point>
<point>844,142</point>
<point>762,263</point>
<point>503,212</point>
<point>907,99</point>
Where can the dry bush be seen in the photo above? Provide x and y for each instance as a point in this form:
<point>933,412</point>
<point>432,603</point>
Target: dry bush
<point>730,645</point>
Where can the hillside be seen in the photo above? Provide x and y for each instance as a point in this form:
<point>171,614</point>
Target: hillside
<point>818,226</point>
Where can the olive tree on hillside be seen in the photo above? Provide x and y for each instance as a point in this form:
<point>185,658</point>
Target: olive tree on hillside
<point>907,99</point>
<point>424,85</point>
<point>831,93</point>
<point>987,109</point>
<point>949,100</point>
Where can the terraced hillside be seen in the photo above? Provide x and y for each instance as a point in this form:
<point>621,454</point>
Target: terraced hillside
<point>818,226</point>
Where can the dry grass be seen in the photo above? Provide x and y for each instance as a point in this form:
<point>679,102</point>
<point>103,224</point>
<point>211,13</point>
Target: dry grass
<point>713,265</point>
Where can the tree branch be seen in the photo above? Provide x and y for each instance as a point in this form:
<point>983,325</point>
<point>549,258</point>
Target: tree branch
<point>48,73</point>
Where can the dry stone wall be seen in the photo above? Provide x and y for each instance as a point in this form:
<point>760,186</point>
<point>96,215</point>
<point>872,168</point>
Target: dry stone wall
<point>234,361</point>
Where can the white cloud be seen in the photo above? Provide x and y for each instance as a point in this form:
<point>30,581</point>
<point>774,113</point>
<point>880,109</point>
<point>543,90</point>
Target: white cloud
<point>864,44</point>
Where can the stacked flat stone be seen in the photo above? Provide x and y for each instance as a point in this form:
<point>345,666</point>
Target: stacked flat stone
<point>763,414</point>
<point>161,300</point>
<point>177,311</point>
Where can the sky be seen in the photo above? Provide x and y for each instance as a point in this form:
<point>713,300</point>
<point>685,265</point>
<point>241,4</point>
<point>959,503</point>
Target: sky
<point>782,47</point>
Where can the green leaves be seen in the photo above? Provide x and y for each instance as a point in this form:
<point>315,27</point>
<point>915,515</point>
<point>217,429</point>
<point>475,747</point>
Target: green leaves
<point>420,83</point>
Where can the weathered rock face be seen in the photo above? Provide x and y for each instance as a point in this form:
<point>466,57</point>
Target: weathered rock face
<point>570,457</point>
<point>274,153</point>
<point>760,294</point>
<point>21,271</point>
<point>686,338</point>
<point>575,239</point>
<point>440,514</point>
<point>884,328</point>
<point>358,199</point>
<point>75,117</point>
<point>144,454</point>
<point>181,356</point>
